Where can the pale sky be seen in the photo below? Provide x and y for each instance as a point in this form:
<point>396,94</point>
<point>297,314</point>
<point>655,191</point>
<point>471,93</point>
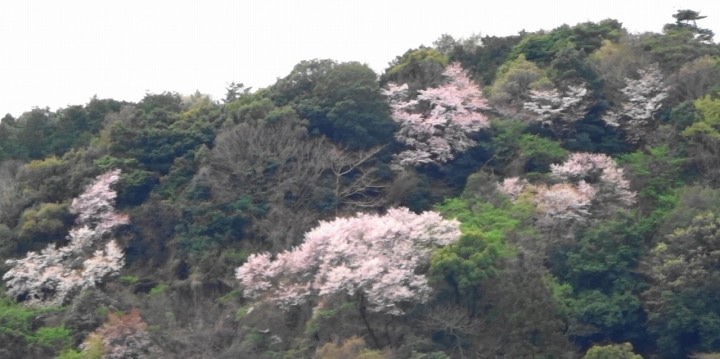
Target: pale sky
<point>59,53</point>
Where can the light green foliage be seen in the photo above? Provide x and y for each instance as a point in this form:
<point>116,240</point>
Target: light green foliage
<point>93,349</point>
<point>694,79</point>
<point>53,337</point>
<point>614,62</point>
<point>107,163</point>
<point>480,56</point>
<point>20,331</point>
<point>706,356</point>
<point>612,351</point>
<point>71,354</point>
<point>540,152</point>
<point>158,290</point>
<point>566,48</point>
<point>241,312</point>
<point>471,260</point>
<point>516,78</point>
<point>351,348</point>
<point>656,172</point>
<point>45,180</point>
<point>129,280</point>
<point>475,257</point>
<point>686,203</point>
<point>14,318</point>
<point>419,69</point>
<point>42,224</point>
<point>414,58</point>
<point>708,125</point>
<point>704,137</point>
<point>515,151</point>
<point>196,106</point>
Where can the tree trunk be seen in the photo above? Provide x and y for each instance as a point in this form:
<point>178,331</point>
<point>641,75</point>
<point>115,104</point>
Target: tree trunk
<point>361,307</point>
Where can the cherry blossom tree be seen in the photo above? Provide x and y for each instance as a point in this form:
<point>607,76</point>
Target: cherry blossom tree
<point>644,98</point>
<point>377,259</point>
<point>556,110</point>
<point>124,335</point>
<point>584,178</point>
<point>578,192</point>
<point>565,200</point>
<point>513,187</point>
<point>53,274</point>
<point>435,126</point>
<point>602,172</point>
<point>375,256</point>
<point>558,201</point>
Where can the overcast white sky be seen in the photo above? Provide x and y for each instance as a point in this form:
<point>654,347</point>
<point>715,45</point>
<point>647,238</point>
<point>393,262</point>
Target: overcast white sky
<point>58,53</point>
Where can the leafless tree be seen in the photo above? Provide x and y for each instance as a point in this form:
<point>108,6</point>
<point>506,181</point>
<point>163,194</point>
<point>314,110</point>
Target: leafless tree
<point>298,176</point>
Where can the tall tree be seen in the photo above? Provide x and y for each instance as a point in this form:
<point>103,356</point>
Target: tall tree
<point>54,274</point>
<point>558,111</point>
<point>342,101</point>
<point>437,125</point>
<point>644,97</point>
<point>373,256</point>
<point>377,260</point>
<point>682,303</point>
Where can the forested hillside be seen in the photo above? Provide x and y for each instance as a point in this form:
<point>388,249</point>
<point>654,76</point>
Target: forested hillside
<point>553,194</point>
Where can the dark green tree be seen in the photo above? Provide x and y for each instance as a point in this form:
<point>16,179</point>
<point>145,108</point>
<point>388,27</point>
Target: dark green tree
<point>680,42</point>
<point>682,303</point>
<point>341,101</point>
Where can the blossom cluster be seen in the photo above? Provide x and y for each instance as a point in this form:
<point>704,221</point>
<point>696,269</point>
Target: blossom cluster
<point>644,97</point>
<point>377,256</point>
<point>556,110</point>
<point>435,126</point>
<point>584,177</point>
<point>53,274</point>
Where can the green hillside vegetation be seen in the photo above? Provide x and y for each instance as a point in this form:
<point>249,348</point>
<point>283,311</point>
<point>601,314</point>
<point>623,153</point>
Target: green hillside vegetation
<point>581,164</point>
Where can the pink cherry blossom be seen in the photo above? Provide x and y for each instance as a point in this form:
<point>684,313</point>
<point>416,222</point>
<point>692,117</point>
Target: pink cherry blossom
<point>584,178</point>
<point>601,171</point>
<point>51,276</point>
<point>374,255</point>
<point>436,125</point>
